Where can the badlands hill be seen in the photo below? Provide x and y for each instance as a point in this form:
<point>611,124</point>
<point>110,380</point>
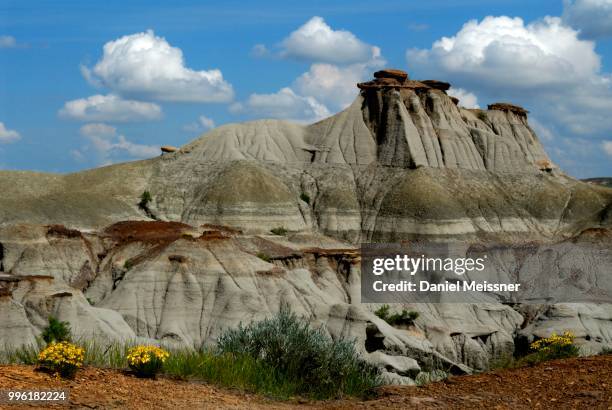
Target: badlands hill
<point>404,161</point>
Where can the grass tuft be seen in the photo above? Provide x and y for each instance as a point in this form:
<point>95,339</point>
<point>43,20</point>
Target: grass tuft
<point>280,231</point>
<point>264,256</point>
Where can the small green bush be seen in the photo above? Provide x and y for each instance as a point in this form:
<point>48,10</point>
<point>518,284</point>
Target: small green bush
<point>145,199</point>
<point>404,318</point>
<point>383,312</point>
<point>56,331</point>
<point>264,256</point>
<point>304,357</point>
<point>305,197</point>
<point>482,116</point>
<point>281,231</point>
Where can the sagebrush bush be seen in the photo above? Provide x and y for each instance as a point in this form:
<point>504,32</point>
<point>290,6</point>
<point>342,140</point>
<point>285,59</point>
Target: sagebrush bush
<point>403,318</point>
<point>56,331</point>
<point>62,358</point>
<point>146,361</point>
<point>280,231</point>
<point>317,365</point>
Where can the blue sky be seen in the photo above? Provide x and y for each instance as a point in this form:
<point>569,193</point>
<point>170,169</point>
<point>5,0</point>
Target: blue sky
<point>67,102</point>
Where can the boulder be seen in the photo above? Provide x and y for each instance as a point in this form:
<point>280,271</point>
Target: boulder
<point>509,107</point>
<point>168,149</point>
<point>437,85</point>
<point>391,83</point>
<point>399,75</point>
<point>401,365</point>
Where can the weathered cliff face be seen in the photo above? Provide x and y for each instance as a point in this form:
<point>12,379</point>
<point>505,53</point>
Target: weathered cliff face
<point>403,161</point>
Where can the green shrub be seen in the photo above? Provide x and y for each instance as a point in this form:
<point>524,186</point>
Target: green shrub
<point>306,358</point>
<point>404,318</point>
<point>606,350</point>
<point>281,231</point>
<point>482,116</point>
<point>145,199</point>
<point>383,312</point>
<point>305,197</point>
<point>264,256</point>
<point>56,331</point>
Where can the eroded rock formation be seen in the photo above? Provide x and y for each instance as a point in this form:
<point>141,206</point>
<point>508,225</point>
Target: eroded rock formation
<point>403,161</point>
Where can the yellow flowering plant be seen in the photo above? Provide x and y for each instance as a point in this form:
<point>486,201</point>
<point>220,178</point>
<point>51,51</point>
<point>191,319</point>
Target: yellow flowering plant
<point>146,361</point>
<point>63,358</point>
<point>556,346</point>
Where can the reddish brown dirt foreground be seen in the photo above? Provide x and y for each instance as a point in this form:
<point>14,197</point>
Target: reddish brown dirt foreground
<point>584,383</point>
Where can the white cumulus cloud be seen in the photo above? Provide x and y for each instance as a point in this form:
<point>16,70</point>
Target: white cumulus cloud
<point>607,147</point>
<point>592,17</point>
<point>284,104</point>
<point>542,131</point>
<point>316,41</point>
<point>8,42</point>
<point>339,61</point>
<point>466,98</point>
<point>144,65</point>
<point>335,86</point>
<point>108,146</point>
<point>259,51</point>
<point>7,136</point>
<point>202,124</point>
<point>110,107</point>
<point>98,129</point>
<point>504,52</point>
